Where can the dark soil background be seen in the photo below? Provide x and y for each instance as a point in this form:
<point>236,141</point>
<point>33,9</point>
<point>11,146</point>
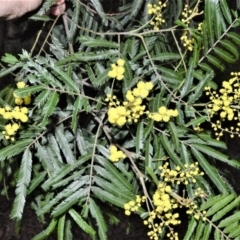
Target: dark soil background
<point>129,228</point>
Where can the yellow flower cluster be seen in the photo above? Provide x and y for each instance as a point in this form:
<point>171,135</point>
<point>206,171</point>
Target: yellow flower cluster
<point>225,104</point>
<point>156,11</point>
<point>26,99</point>
<point>163,204</point>
<point>130,110</point>
<point>180,176</point>
<point>163,114</point>
<point>188,42</point>
<point>15,114</point>
<point>115,154</point>
<point>165,201</point>
<point>193,210</point>
<point>117,70</point>
<point>133,206</point>
<point>133,108</point>
<point>10,131</point>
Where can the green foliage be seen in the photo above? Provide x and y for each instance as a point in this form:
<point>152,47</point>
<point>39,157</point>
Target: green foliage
<point>61,155</point>
<point>218,207</point>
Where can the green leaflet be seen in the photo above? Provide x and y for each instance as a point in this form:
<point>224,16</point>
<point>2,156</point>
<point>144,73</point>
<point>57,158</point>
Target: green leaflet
<point>235,233</point>
<point>139,139</point>
<point>68,230</point>
<point>68,197</point>
<point>210,20</point>
<point>116,180</point>
<point>229,220</point>
<point>6,71</point>
<point>199,89</point>
<point>204,138</point>
<point>200,230</point>
<point>46,5</point>
<point>217,155</point>
<point>36,181</point>
<point>170,150</point>
<point>101,79</point>
<point>14,149</point>
<point>135,7</point>
<point>71,199</point>
<point>99,9</point>
<point>196,121</point>
<point>116,174</point>
<point>65,78</point>
<point>23,181</point>
<point>230,47</point>
<point>76,109</point>
<point>235,37</point>
<point>153,175</point>
<point>9,58</point>
<point>128,77</point>
<point>224,55</point>
<point>74,16</point>
<point>220,204</point>
<point>28,90</point>
<point>61,226</point>
<point>97,42</point>
<point>64,144</point>
<point>211,201</point>
<point>174,134</point>
<point>210,171</point>
<point>132,47</point>
<point>82,56</point>
<point>217,63</point>
<point>148,152</point>
<point>226,209</point>
<point>81,223</point>
<point>41,99</point>
<point>110,187</point>
<point>166,56</point>
<point>45,233</point>
<point>65,171</point>
<point>49,107</point>
<point>191,229</point>
<point>207,231</point>
<point>97,214</point>
<point>226,11</point>
<point>106,196</point>
<point>187,84</point>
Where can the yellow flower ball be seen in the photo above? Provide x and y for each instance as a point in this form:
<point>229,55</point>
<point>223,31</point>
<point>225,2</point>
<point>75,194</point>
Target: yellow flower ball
<point>120,70</point>
<point>119,77</point>
<point>113,149</point>
<point>112,73</point>
<point>120,62</point>
<point>166,118</point>
<point>162,110</point>
<point>18,101</point>
<point>27,100</point>
<point>143,93</point>
<point>121,121</point>
<point>129,96</point>
<point>21,85</point>
<point>23,118</point>
<point>24,110</point>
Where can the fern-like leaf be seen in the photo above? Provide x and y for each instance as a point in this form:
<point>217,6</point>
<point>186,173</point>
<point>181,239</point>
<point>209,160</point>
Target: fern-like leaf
<point>24,178</point>
<point>64,144</point>
<point>98,216</point>
<point>81,223</point>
